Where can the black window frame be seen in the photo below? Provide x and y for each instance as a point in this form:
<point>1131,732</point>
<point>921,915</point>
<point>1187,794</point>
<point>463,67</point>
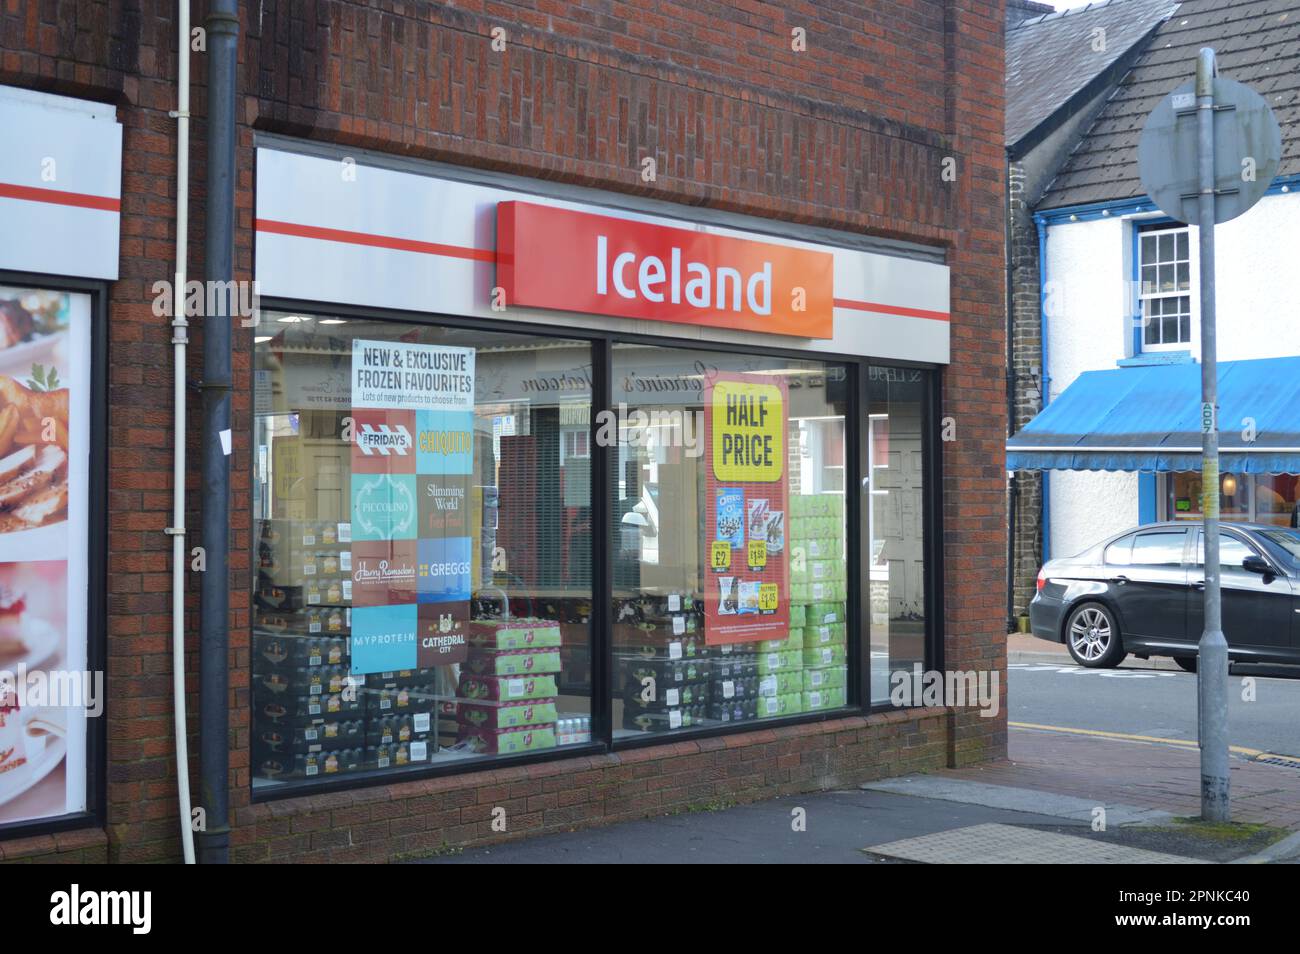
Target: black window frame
<point>96,556</point>
<point>602,342</point>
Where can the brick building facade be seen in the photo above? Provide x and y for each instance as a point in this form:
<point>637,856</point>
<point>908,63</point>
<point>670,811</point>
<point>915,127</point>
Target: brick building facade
<point>853,134</point>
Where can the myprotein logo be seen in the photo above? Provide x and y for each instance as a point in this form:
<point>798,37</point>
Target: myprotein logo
<point>632,269</point>
<point>76,907</point>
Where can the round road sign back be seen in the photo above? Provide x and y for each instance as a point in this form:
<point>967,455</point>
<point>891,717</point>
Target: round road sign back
<point>1247,150</point>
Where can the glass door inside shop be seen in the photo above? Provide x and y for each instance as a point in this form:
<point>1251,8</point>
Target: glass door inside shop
<point>896,474</point>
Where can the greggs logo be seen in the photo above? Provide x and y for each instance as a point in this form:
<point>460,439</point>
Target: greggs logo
<point>577,261</point>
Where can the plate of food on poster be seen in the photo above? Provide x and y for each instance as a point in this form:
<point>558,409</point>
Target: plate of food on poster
<point>34,424</point>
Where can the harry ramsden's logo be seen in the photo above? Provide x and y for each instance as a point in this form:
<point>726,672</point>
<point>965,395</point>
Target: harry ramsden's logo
<point>383,572</point>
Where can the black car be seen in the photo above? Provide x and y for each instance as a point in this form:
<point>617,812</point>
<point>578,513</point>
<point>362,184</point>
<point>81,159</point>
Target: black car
<point>1142,592</point>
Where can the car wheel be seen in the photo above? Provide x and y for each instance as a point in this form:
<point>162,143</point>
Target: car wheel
<point>1186,663</point>
<point>1093,637</point>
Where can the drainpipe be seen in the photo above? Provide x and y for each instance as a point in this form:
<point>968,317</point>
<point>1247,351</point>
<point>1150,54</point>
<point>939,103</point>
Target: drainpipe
<point>180,346</point>
<point>1013,489</point>
<point>1043,376</point>
<point>218,258</point>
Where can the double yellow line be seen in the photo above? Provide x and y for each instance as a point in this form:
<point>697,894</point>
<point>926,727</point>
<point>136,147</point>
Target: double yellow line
<point>1253,754</point>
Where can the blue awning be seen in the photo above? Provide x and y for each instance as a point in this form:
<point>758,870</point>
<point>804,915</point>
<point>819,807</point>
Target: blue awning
<point>1148,419</point>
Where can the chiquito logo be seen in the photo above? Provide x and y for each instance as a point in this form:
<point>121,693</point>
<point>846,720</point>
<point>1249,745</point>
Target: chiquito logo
<point>96,908</point>
<point>950,688</point>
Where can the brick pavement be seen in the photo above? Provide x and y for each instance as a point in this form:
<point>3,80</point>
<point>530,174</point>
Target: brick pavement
<point>1145,775</point>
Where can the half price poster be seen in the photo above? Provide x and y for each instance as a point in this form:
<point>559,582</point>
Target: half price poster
<point>746,591</point>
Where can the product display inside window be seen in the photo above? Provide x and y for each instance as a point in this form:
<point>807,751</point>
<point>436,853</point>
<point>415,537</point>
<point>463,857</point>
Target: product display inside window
<point>728,538</point>
<point>1257,498</point>
<point>422,592</point>
<point>895,424</point>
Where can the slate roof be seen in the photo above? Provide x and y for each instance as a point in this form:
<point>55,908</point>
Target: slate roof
<point>1257,42</point>
<point>1050,57</point>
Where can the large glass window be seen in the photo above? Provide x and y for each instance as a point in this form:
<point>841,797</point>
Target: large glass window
<point>422,591</point>
<point>729,538</point>
<point>47,690</point>
<point>895,425</point>
<point>1260,498</point>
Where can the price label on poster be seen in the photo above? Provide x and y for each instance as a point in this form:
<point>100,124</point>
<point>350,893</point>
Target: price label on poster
<point>721,555</point>
<point>768,597</point>
<point>757,554</point>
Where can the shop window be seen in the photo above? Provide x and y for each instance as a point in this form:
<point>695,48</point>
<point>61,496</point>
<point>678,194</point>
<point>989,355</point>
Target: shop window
<point>896,422</point>
<point>47,688</point>
<point>1277,499</point>
<point>1165,284</point>
<point>729,539</point>
<point>1261,498</point>
<point>422,592</point>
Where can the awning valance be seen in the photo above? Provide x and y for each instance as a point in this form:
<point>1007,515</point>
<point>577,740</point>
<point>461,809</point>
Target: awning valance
<point>1149,419</point>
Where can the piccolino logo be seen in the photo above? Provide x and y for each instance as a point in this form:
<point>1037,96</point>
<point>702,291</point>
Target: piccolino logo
<point>95,908</point>
<point>949,688</point>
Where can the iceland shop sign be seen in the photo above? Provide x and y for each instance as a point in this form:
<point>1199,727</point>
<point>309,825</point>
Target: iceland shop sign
<point>578,261</point>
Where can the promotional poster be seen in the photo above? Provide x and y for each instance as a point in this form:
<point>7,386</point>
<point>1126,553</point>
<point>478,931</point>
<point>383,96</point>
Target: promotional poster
<point>412,457</point>
<point>746,591</point>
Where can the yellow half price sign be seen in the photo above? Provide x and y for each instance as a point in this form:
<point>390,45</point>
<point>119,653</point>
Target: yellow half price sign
<point>748,431</point>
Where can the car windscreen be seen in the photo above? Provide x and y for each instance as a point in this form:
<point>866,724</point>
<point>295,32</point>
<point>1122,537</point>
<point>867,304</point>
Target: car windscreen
<point>1284,542</point>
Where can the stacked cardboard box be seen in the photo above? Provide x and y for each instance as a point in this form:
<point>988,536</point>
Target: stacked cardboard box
<point>661,664</point>
<point>819,591</point>
<point>507,694</point>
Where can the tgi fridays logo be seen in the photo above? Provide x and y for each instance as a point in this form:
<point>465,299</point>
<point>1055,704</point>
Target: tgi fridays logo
<point>383,439</point>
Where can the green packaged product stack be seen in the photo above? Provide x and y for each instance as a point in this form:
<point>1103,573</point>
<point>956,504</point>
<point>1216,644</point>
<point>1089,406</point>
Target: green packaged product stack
<point>790,703</point>
<point>819,657</point>
<point>815,699</point>
<point>795,640</point>
<point>783,661</point>
<point>831,677</point>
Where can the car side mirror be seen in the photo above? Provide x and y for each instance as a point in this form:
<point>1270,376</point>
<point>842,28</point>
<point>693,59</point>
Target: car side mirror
<point>1257,564</point>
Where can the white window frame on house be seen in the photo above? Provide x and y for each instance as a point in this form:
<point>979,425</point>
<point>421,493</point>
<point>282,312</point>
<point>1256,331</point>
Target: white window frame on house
<point>1151,298</point>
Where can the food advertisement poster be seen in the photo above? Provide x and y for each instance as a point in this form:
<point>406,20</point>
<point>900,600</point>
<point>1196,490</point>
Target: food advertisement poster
<point>45,689</point>
<point>412,457</point>
<point>746,592</point>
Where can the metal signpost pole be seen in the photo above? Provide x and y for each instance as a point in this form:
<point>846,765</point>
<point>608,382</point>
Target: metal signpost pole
<point>1212,664</point>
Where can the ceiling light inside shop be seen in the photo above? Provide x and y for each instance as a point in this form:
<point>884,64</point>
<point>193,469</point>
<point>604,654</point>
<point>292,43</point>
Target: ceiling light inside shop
<point>292,319</point>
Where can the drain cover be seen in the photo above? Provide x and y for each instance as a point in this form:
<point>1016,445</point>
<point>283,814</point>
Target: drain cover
<point>1011,845</point>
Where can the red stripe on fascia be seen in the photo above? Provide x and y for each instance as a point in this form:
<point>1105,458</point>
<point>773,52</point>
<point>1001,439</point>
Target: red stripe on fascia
<point>55,197</point>
<point>374,241</point>
<point>891,309</point>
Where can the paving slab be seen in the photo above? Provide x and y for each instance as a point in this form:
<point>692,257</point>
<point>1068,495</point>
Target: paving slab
<point>994,844</point>
<point>1015,799</point>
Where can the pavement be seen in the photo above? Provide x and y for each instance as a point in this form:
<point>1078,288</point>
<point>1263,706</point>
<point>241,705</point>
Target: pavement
<point>1064,795</point>
<point>1044,803</point>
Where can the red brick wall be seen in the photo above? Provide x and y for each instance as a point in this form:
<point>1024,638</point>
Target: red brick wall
<point>849,134</point>
<point>418,819</point>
